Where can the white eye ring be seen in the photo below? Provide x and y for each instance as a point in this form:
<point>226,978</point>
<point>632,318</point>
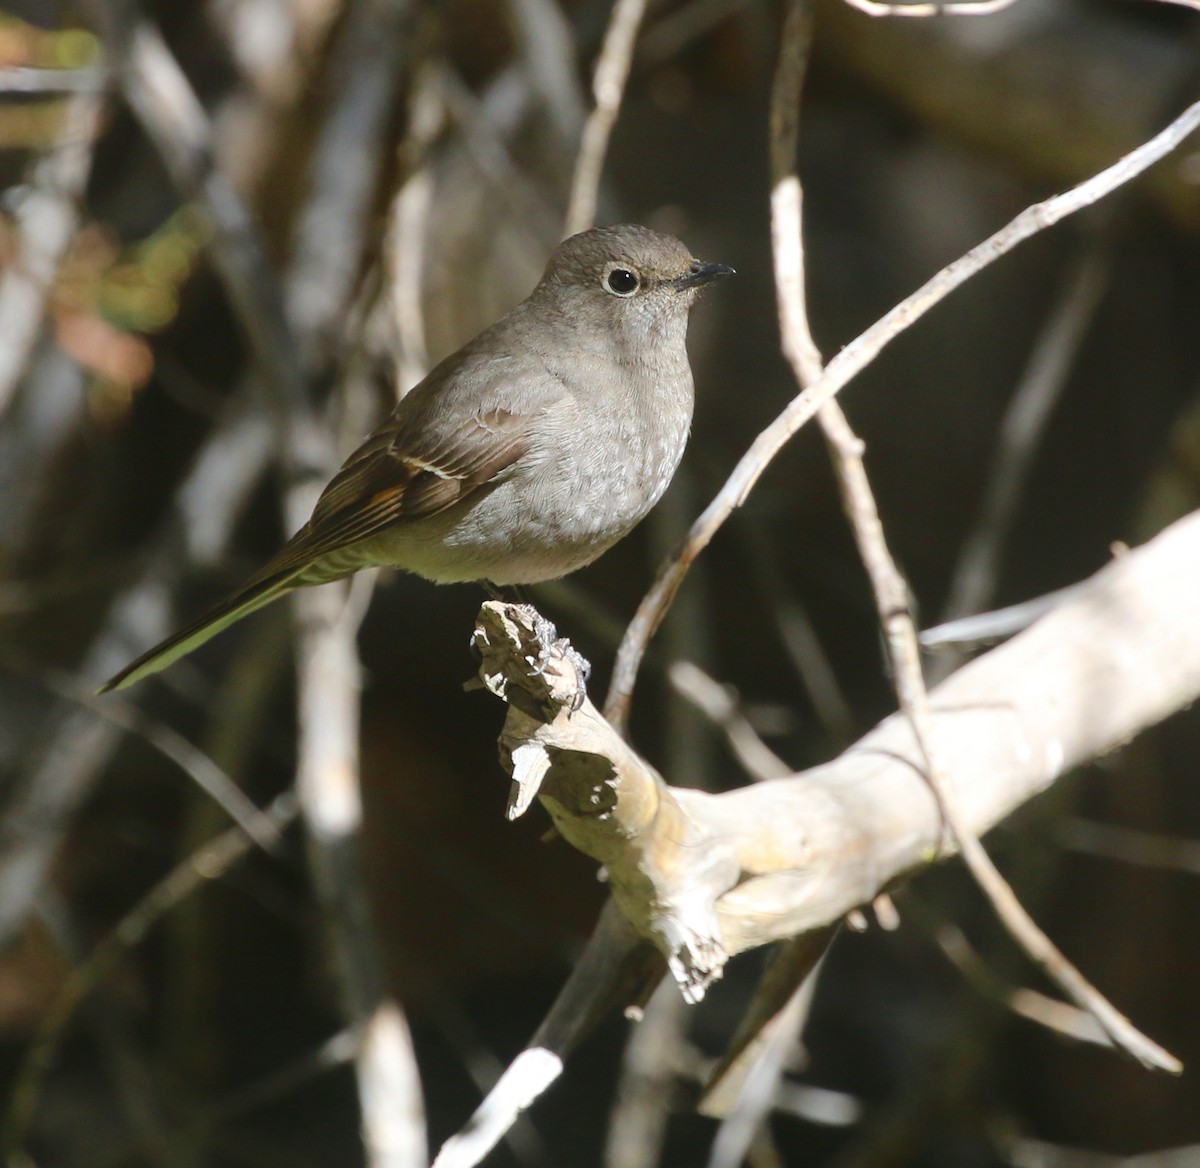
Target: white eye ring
<point>620,280</point>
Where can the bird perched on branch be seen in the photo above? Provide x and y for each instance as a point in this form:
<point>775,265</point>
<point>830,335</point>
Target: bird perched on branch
<point>521,457</point>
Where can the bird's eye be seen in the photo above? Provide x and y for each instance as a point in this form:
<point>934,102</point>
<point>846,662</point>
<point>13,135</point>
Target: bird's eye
<point>621,282</point>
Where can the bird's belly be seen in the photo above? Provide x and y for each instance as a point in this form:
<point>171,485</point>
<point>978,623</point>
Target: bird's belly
<point>537,526</point>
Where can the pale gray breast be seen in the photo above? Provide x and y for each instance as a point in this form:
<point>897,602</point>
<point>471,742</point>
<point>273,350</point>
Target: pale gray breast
<point>600,458</point>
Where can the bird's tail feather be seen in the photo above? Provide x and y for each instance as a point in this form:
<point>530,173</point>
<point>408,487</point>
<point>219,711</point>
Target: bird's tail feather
<point>253,596</point>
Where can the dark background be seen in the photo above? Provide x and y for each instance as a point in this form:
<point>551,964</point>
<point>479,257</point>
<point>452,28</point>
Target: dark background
<point>919,138</point>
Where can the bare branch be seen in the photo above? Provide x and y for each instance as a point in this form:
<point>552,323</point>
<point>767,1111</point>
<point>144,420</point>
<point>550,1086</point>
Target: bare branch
<point>962,8</point>
<point>614,969</point>
<point>707,876</point>
<point>888,585</point>
<point>846,365</point>
<point>1045,1011</point>
<point>608,88</point>
<point>719,705</point>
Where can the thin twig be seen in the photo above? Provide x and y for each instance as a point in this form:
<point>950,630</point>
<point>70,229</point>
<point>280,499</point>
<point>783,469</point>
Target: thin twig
<point>46,214</point>
<point>614,964</point>
<point>79,745</point>
<point>159,93</point>
<point>1054,1015</point>
<point>719,704</point>
<point>889,587</point>
<point>975,574</point>
<point>997,624</point>
<point>172,745</point>
<point>847,364</point>
<point>608,88</point>
<point>960,8</point>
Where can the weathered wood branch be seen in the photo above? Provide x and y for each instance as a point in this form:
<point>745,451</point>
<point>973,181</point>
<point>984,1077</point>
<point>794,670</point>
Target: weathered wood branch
<point>707,876</point>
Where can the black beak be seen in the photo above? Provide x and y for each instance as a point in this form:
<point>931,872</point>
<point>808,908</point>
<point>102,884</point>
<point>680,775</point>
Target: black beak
<point>700,274</point>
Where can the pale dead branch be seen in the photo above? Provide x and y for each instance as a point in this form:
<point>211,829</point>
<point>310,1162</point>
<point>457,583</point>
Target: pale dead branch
<point>704,877</point>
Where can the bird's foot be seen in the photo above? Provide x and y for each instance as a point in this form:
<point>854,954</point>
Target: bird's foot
<point>509,634</point>
<point>553,648</point>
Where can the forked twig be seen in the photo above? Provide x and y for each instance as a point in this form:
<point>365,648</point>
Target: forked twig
<point>847,364</point>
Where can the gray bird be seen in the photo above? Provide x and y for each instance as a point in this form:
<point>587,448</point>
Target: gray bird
<point>521,457</point>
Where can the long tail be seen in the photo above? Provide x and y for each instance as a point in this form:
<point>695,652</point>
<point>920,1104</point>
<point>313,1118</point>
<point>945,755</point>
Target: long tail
<point>254,595</point>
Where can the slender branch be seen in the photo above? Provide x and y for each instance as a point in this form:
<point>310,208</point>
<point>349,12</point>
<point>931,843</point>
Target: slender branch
<point>846,365</point>
<point>319,286</point>
<point>1038,391</point>
<point>198,766</point>
<point>961,8</point>
<point>613,970</point>
<point>159,93</point>
<point>888,585</point>
<point>608,88</point>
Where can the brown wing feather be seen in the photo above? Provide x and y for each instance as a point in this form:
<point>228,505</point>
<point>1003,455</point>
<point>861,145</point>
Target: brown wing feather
<point>384,483</point>
<point>416,464</point>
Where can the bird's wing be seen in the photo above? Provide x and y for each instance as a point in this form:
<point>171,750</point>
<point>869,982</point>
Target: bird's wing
<point>392,482</point>
<point>379,485</point>
<point>420,461</point>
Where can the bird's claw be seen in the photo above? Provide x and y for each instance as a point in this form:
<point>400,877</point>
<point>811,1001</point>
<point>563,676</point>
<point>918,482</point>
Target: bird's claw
<point>552,647</point>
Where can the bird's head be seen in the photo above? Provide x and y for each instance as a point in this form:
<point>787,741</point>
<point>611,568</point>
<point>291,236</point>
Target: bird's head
<point>625,282</point>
